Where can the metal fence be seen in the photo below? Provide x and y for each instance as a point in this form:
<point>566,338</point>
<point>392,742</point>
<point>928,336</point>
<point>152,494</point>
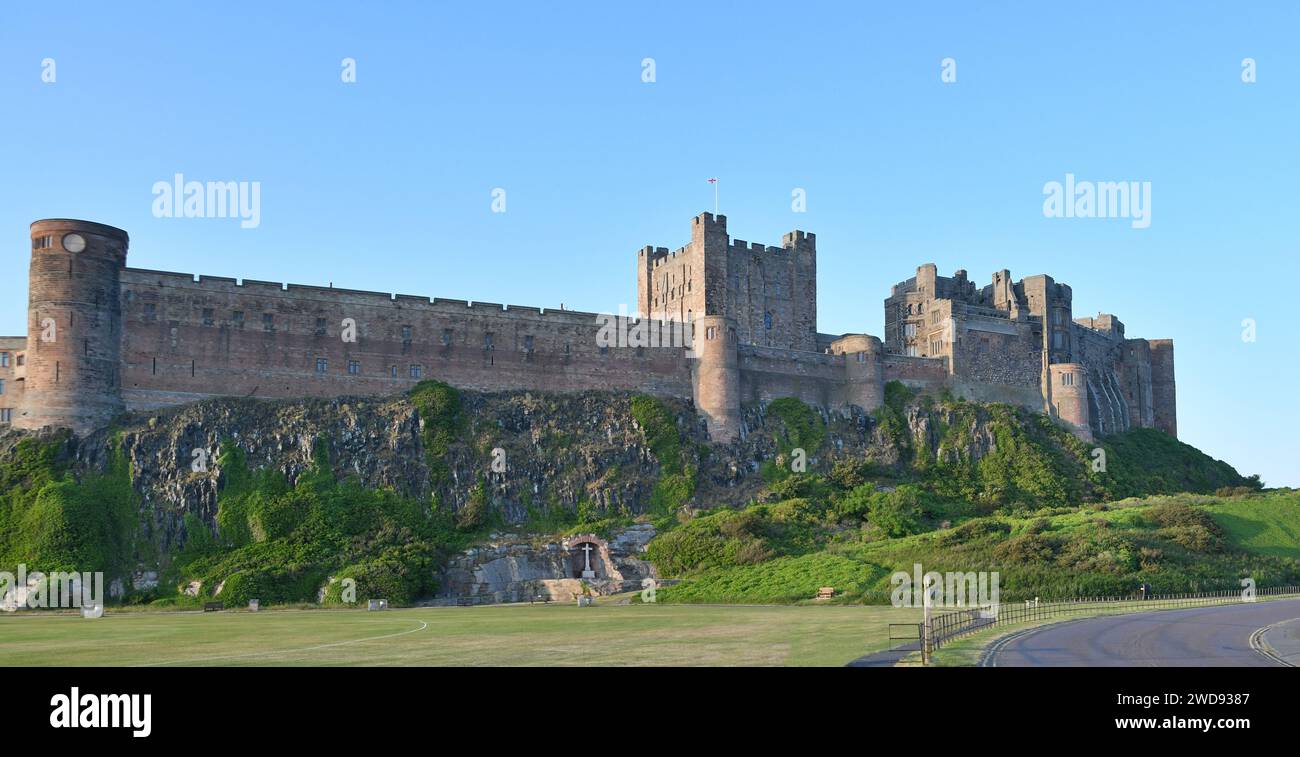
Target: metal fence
<point>941,628</point>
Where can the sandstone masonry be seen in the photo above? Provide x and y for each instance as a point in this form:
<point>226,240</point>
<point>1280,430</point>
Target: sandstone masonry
<point>104,338</point>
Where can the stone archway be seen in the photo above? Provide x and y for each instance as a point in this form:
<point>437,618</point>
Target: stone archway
<point>588,556</point>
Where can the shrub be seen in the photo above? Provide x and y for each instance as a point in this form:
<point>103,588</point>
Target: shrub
<point>1178,514</point>
<point>850,474</point>
<point>439,408</point>
<point>897,513</point>
<point>1194,538</point>
<point>803,425</point>
<point>971,530</point>
<point>1024,549</point>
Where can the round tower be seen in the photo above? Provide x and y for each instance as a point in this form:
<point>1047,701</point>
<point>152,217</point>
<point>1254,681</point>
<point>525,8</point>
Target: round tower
<point>716,376</point>
<point>74,326</point>
<point>1069,387</point>
<point>864,383</point>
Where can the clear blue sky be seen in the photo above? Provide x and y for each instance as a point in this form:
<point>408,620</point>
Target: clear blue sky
<point>385,184</point>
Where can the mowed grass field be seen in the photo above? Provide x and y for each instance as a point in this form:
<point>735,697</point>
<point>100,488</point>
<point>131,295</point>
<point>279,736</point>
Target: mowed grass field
<point>650,635</point>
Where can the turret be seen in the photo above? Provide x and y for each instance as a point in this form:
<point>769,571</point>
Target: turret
<point>715,376</point>
<point>1069,397</point>
<point>74,326</point>
<point>864,383</point>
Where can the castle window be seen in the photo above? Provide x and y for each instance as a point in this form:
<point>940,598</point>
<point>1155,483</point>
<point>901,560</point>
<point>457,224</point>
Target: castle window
<point>354,367</point>
<point>862,357</point>
<point>208,317</point>
<point>322,365</point>
<point>150,311</point>
<point>936,346</point>
<point>711,333</point>
<point>20,361</point>
<point>238,317</point>
<point>911,351</point>
<point>767,320</point>
<point>6,414</point>
<point>2,386</point>
<point>528,343</point>
<point>1067,379</point>
<point>320,327</point>
<point>446,337</point>
<point>487,341</point>
<point>909,329</point>
<point>1058,340</point>
<point>268,322</point>
<point>406,333</point>
<point>42,243</point>
<point>4,359</point>
<point>415,371</point>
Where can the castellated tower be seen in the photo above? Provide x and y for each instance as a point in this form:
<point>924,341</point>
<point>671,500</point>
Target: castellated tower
<point>74,326</point>
<point>715,376</point>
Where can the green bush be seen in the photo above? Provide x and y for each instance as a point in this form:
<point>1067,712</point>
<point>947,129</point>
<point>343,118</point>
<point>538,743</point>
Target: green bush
<point>1179,514</point>
<point>51,521</point>
<point>1024,549</point>
<point>973,530</point>
<point>439,407</point>
<point>280,543</point>
<point>803,426</point>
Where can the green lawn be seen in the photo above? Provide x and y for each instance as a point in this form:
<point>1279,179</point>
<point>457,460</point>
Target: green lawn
<point>495,635</point>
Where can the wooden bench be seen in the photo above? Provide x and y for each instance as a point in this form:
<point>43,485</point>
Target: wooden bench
<point>214,606</point>
<point>826,592</point>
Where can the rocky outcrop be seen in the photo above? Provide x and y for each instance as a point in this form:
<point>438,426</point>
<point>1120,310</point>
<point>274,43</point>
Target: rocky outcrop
<point>513,569</point>
<point>567,451</point>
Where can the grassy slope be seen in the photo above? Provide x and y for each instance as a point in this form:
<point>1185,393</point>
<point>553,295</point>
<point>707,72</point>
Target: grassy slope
<point>1098,553</point>
<point>1264,525</point>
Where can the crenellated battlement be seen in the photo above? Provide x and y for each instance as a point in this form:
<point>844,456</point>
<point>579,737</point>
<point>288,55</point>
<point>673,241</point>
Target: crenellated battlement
<point>138,338</point>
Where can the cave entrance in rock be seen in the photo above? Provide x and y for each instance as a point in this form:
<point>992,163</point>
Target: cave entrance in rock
<point>585,554</point>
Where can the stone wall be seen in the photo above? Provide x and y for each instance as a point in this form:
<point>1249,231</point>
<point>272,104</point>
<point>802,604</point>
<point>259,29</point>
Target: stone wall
<point>138,339</point>
<point>11,349</point>
<point>186,338</point>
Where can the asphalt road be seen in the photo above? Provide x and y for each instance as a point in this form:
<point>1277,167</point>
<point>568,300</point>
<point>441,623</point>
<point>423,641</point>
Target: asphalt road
<point>1198,637</point>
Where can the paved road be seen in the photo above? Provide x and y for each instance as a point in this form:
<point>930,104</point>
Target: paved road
<point>1197,637</point>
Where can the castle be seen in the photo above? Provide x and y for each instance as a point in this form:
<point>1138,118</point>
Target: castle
<point>104,338</point>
